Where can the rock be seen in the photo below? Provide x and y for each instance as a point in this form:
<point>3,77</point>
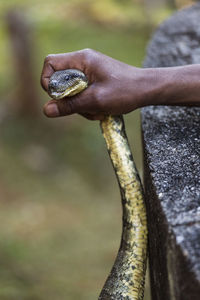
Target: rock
<point>177,40</point>
<point>171,138</point>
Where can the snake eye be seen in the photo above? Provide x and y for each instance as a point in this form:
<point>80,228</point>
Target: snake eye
<point>67,77</point>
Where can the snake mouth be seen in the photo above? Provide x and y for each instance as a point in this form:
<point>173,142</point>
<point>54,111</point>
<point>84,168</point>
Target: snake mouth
<point>69,91</point>
<point>58,95</point>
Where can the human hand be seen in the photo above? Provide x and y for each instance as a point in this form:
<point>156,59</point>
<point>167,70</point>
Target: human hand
<point>114,87</point>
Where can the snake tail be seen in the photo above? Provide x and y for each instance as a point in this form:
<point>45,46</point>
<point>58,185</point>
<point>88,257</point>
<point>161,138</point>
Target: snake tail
<point>127,277</point>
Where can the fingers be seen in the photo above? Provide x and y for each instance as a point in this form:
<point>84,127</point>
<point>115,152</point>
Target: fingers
<point>47,71</point>
<point>51,109</point>
<point>55,62</point>
<point>80,103</point>
<point>68,106</point>
<point>59,108</point>
<point>89,102</point>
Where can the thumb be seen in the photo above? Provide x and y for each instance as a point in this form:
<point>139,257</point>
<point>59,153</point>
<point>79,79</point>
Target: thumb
<point>68,105</point>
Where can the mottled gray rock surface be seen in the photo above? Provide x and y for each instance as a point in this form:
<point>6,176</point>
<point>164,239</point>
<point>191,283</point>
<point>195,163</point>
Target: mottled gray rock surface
<point>172,168</point>
<point>177,40</point>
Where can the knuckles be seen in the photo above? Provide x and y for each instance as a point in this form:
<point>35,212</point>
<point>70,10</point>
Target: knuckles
<point>90,55</point>
<point>87,55</point>
<point>49,58</point>
<point>88,52</point>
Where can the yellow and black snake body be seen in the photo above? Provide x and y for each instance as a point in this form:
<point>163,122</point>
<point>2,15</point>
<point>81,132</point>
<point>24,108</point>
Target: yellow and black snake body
<point>126,279</point>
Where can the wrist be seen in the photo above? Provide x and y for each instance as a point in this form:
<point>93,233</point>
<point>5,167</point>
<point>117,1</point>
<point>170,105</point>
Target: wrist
<point>155,86</point>
<point>147,87</point>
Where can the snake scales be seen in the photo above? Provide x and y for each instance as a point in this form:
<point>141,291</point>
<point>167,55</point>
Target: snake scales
<point>126,279</point>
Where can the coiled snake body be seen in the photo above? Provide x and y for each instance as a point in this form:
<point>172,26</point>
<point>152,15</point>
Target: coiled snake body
<point>126,279</point>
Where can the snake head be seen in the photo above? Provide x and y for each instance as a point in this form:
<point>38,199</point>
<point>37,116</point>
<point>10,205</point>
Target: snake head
<point>66,83</point>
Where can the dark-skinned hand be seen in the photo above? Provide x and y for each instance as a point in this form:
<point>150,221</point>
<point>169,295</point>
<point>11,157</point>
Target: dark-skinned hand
<point>114,87</point>
<point>117,88</point>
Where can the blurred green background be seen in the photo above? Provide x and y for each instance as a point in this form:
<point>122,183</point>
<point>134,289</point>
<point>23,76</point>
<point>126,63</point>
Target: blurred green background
<point>60,206</point>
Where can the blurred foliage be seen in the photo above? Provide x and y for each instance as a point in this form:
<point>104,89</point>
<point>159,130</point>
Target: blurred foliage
<point>182,3</point>
<point>60,205</point>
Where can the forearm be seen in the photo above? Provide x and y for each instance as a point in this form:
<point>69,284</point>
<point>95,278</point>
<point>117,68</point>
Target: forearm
<point>172,86</point>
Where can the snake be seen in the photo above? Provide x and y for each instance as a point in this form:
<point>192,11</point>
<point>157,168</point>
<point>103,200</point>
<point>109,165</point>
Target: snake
<point>127,277</point>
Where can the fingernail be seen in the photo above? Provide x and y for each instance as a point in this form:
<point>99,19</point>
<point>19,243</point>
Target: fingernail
<point>51,110</point>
